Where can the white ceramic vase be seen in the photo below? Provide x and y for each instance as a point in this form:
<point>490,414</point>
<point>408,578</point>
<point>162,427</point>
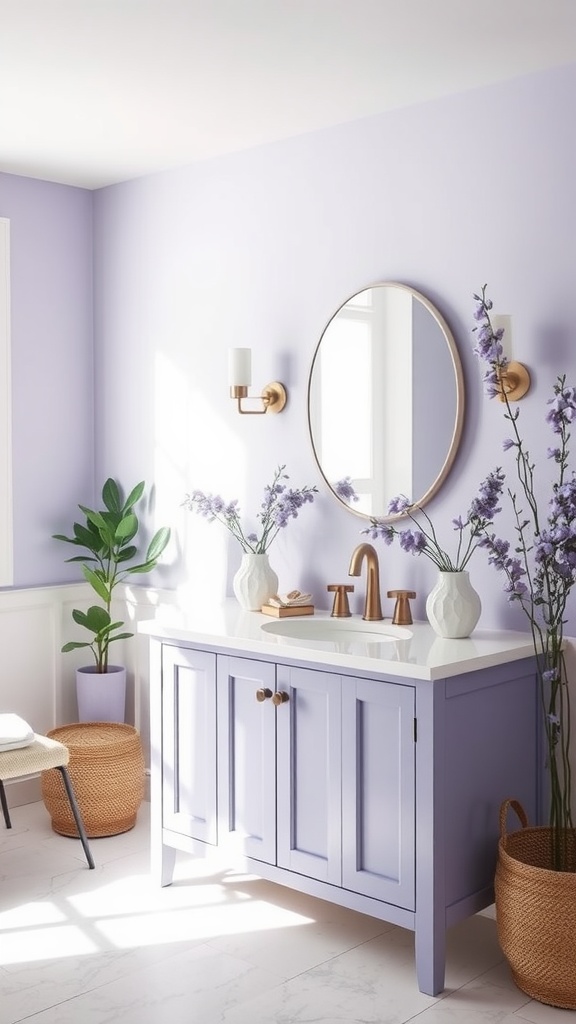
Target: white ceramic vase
<point>101,696</point>
<point>255,582</point>
<point>453,606</point>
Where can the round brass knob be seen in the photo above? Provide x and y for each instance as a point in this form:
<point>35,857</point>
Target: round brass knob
<point>280,697</point>
<point>263,693</point>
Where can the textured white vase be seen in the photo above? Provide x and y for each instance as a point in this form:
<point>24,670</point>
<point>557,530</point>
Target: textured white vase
<point>453,606</point>
<point>255,582</point>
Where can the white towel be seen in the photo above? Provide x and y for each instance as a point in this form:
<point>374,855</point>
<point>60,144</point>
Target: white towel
<point>14,732</point>
<point>292,600</point>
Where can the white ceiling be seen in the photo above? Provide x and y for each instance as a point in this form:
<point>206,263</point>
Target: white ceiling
<point>99,91</point>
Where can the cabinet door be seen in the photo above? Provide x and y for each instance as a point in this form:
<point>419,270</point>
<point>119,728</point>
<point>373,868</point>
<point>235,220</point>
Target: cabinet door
<point>247,757</point>
<point>189,743</point>
<point>308,773</point>
<point>378,791</point>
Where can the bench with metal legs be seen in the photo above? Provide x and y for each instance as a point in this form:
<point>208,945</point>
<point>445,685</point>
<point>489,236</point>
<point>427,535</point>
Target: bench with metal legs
<point>41,755</point>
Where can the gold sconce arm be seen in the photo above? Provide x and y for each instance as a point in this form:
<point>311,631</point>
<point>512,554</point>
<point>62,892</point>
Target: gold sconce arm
<point>273,398</point>
<point>514,382</point>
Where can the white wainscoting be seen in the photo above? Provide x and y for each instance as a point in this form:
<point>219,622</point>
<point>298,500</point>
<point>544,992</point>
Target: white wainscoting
<point>37,681</point>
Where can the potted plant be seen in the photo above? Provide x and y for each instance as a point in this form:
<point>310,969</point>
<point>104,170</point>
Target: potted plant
<point>108,539</point>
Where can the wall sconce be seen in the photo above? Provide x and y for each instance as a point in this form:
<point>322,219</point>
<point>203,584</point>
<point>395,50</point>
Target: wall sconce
<point>514,382</point>
<point>273,396</point>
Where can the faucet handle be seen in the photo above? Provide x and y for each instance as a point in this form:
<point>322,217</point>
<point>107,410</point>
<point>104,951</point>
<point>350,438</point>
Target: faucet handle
<point>402,613</point>
<point>340,608</point>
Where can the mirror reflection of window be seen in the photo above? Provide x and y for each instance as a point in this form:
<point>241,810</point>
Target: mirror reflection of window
<point>345,371</point>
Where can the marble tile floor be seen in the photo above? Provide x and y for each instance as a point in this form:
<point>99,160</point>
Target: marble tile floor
<point>216,947</point>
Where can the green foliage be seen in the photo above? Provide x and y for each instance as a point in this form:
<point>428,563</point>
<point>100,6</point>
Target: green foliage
<point>108,558</point>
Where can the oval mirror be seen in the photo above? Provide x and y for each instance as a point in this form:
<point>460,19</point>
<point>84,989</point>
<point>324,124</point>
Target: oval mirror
<point>385,400</point>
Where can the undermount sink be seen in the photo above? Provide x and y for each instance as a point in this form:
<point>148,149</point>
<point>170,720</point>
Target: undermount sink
<point>336,630</point>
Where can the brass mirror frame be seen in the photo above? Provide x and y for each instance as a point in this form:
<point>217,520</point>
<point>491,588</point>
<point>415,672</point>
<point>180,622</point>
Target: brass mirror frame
<point>460,402</point>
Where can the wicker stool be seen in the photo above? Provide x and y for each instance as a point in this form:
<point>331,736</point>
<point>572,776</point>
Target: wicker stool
<point>107,768</point>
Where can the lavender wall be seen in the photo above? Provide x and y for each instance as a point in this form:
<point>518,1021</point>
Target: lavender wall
<point>260,248</point>
<point>52,368</point>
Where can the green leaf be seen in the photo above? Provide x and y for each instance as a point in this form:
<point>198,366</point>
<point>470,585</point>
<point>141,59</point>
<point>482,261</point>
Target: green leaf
<point>108,627</point>
<point>83,537</point>
<point>143,567</point>
<point>157,544</point>
<point>79,617</point>
<point>96,583</point>
<point>127,528</point>
<point>97,618</point>
<point>95,517</point>
<point>126,553</point>
<point>134,496</point>
<point>111,520</point>
<point>111,496</point>
<point>72,646</point>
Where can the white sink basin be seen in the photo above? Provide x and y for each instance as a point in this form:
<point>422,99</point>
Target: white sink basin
<point>339,631</point>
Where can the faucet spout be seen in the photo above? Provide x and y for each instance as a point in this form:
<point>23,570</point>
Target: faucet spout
<point>372,605</point>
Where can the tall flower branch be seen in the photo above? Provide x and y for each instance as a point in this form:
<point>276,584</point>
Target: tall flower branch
<point>540,569</point>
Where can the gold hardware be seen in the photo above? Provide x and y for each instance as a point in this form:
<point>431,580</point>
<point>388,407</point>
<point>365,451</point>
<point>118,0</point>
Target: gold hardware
<point>372,606</point>
<point>514,382</point>
<point>263,693</point>
<point>341,607</point>
<point>273,398</point>
<point>402,613</point>
<point>280,697</point>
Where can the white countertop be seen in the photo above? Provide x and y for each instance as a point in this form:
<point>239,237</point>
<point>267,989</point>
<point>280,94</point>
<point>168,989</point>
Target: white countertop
<point>419,654</point>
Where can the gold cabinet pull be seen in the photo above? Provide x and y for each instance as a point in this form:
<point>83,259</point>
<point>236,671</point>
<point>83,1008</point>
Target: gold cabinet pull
<point>263,693</point>
<point>280,697</point>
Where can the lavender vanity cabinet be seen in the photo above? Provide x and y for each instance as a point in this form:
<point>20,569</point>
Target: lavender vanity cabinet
<point>379,793</point>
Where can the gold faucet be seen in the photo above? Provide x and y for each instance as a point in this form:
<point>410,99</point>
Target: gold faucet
<point>372,606</point>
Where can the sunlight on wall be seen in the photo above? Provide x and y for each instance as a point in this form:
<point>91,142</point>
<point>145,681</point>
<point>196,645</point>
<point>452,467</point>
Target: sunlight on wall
<point>194,450</point>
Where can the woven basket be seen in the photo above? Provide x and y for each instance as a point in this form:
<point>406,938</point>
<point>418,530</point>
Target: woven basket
<point>107,771</point>
<point>536,911</point>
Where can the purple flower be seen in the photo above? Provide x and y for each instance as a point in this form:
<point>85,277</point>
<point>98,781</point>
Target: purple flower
<point>345,490</point>
<point>399,505</point>
<point>278,507</point>
<point>380,531</point>
<point>562,408</point>
<point>412,541</point>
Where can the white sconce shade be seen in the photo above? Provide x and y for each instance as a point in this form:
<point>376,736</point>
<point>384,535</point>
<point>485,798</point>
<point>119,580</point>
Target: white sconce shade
<point>240,367</point>
<point>273,397</point>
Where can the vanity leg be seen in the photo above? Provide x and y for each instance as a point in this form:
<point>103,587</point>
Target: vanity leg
<point>430,959</point>
<point>430,922</point>
<point>163,859</point>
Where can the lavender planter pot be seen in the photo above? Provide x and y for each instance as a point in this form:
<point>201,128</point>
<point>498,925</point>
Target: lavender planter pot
<point>101,696</point>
